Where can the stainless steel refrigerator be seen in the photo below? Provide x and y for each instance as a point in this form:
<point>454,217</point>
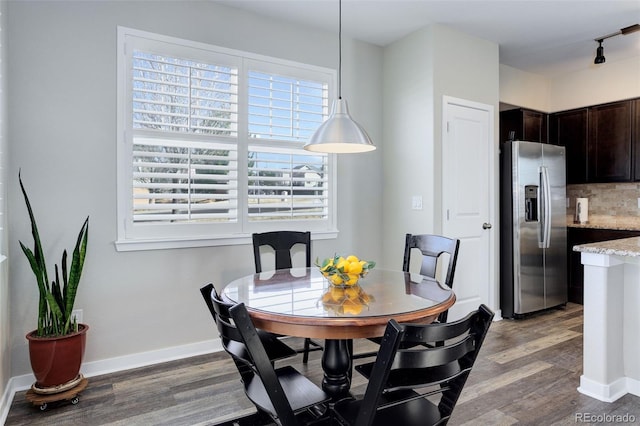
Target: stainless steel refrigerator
<point>533,228</point>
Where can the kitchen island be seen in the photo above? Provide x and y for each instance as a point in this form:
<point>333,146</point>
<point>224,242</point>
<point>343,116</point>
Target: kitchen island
<point>611,353</point>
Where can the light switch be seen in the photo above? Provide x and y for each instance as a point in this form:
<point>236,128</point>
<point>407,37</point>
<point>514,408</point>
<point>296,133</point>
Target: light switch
<point>639,203</point>
<point>416,202</point>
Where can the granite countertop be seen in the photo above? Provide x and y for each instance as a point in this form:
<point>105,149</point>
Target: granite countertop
<point>627,223</point>
<point>629,247</point>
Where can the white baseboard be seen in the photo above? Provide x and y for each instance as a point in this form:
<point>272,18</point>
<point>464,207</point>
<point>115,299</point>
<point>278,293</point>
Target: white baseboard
<point>5,402</point>
<point>608,392</point>
<point>111,365</point>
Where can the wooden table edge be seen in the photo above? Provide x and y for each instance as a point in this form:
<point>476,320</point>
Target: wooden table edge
<point>343,327</point>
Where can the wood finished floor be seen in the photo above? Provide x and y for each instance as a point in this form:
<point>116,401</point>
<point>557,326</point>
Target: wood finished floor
<point>527,374</point>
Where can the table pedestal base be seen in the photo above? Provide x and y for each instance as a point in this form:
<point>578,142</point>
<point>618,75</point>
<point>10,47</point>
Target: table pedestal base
<point>336,363</point>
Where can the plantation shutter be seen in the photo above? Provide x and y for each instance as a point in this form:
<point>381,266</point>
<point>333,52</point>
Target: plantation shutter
<point>285,182</point>
<point>287,185</point>
<point>210,144</point>
<point>189,172</point>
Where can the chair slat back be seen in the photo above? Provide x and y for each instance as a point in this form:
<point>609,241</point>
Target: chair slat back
<point>207,291</point>
<point>231,339</point>
<point>371,400</point>
<point>444,367</point>
<point>281,242</point>
<point>432,248</point>
<point>264,368</point>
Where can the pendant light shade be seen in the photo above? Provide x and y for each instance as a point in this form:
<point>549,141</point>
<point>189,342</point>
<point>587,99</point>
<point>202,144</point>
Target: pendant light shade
<point>340,133</point>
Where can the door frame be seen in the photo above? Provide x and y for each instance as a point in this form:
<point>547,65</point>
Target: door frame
<point>493,147</point>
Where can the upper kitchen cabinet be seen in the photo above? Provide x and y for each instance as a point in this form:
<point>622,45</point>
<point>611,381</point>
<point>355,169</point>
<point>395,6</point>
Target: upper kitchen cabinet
<point>609,142</point>
<point>603,142</point>
<point>570,129</point>
<point>635,143</point>
<point>527,125</point>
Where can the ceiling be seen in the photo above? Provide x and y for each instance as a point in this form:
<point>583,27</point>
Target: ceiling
<point>543,37</point>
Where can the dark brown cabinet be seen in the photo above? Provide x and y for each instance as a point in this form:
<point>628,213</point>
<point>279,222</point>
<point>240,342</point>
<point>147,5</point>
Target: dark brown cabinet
<point>526,125</point>
<point>570,129</point>
<point>636,139</point>
<point>575,270</point>
<point>602,141</point>
<point>609,142</point>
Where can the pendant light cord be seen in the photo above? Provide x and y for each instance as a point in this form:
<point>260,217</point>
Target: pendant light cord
<point>340,49</point>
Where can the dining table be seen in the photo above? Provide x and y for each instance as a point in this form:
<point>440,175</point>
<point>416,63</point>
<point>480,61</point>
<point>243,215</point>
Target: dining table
<point>301,302</point>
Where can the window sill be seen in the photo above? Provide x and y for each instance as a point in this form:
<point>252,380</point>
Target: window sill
<point>140,245</point>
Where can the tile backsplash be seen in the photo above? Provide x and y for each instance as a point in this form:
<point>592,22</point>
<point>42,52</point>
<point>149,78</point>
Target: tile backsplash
<point>606,199</point>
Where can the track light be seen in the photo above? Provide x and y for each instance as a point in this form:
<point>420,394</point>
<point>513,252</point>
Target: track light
<point>599,54</point>
<point>624,31</point>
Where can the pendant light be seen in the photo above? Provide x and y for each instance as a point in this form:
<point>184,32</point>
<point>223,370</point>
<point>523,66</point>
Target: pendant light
<point>340,133</point>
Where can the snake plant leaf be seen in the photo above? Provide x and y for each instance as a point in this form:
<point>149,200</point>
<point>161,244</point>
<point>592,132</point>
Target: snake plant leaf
<point>77,263</point>
<point>57,315</point>
<point>42,287</point>
<point>38,253</point>
<point>56,290</point>
<point>56,298</point>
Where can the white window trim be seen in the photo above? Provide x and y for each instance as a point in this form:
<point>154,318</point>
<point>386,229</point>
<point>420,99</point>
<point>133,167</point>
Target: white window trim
<point>124,241</point>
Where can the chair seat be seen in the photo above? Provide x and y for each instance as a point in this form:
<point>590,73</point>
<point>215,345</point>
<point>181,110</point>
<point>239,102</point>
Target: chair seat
<point>275,348</point>
<point>419,412</point>
<point>301,392</point>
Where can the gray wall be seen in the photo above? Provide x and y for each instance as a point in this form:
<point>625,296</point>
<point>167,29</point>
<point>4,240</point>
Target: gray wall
<point>62,97</point>
<point>5,324</point>
<point>419,70</point>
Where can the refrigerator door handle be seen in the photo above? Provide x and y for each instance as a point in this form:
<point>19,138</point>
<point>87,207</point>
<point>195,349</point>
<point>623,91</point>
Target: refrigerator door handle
<point>544,235</point>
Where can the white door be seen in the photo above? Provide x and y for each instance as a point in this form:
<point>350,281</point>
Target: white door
<point>468,195</point>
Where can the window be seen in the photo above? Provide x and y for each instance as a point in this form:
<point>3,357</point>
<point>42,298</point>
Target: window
<point>210,144</point>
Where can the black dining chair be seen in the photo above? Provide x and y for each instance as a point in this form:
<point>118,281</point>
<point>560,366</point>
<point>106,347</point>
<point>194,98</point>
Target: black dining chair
<point>282,242</point>
<point>433,249</point>
<point>274,347</point>
<point>419,386</point>
<point>287,396</point>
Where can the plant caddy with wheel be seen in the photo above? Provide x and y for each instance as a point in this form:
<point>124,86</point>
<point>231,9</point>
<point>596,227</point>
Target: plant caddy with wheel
<point>57,346</point>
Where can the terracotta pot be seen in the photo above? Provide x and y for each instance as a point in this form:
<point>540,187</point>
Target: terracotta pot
<point>56,360</point>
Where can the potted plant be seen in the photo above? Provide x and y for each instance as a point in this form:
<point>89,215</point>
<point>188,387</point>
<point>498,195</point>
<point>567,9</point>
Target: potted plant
<point>56,347</point>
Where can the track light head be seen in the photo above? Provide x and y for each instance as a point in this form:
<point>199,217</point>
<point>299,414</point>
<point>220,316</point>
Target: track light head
<point>599,54</point>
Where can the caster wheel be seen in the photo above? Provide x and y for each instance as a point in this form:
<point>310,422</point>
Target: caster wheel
<point>75,400</point>
<point>43,407</point>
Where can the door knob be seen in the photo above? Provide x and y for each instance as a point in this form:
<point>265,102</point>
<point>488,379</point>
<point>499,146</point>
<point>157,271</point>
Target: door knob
<point>486,225</point>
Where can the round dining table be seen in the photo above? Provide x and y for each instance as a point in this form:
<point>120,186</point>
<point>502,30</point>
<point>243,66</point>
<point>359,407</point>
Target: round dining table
<point>301,302</point>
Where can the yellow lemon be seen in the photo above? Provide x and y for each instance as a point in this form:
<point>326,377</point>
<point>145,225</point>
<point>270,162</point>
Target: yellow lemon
<point>343,265</point>
<point>355,268</point>
<point>352,259</point>
<point>335,279</point>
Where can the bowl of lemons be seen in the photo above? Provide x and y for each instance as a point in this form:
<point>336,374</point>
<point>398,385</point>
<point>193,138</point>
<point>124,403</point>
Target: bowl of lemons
<point>344,271</point>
